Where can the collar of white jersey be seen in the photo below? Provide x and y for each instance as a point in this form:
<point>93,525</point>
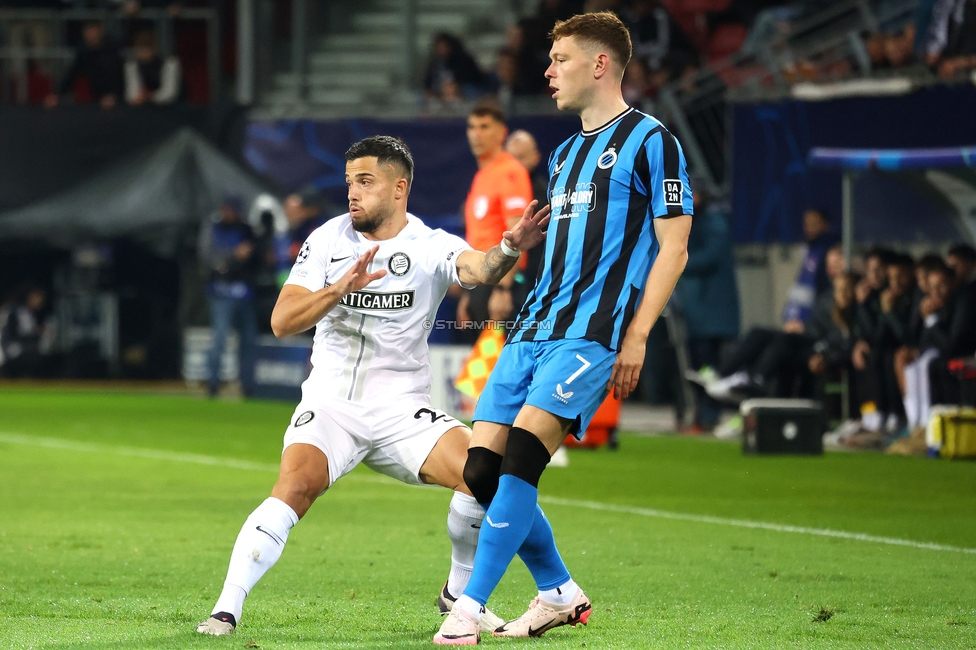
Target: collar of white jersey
<point>414,224</point>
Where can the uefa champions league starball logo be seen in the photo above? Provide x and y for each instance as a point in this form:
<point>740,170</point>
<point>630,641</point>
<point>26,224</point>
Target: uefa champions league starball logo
<point>303,254</point>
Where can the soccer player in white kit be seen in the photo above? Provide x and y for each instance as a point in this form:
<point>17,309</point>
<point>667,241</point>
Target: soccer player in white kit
<point>370,281</point>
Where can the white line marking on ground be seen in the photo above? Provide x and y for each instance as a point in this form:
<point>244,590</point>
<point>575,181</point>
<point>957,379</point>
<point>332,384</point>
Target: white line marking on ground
<point>234,463</point>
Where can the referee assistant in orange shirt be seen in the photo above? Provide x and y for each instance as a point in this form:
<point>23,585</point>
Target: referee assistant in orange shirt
<point>499,193</point>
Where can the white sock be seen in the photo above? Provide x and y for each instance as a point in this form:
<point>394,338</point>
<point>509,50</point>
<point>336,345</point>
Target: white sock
<point>561,595</point>
<point>463,525</point>
<point>471,606</point>
<point>258,547</point>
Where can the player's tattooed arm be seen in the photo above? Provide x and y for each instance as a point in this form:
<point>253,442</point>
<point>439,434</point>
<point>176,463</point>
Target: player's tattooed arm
<point>299,309</point>
<point>475,267</point>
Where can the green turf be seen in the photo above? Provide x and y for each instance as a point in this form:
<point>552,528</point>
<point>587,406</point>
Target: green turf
<point>102,550</point>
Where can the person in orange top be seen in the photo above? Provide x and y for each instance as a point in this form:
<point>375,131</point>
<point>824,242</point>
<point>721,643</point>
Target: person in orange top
<point>499,193</point>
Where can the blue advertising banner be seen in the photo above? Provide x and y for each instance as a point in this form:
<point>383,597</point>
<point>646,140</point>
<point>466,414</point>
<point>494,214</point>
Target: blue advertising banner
<point>296,153</point>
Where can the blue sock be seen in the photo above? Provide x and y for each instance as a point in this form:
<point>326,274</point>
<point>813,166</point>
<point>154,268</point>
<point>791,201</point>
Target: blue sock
<point>539,553</point>
<point>506,526</point>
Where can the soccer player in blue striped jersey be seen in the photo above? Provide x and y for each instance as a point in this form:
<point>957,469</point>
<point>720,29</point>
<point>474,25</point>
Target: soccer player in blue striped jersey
<point>616,244</point>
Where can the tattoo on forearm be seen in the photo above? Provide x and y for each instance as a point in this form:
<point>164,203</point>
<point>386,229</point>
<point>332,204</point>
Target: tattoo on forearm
<point>496,265</point>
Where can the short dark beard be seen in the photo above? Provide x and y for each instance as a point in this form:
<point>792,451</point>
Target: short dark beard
<point>369,224</point>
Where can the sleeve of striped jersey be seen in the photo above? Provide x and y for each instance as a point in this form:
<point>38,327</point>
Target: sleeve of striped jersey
<point>310,272</point>
<point>515,192</point>
<point>664,173</point>
<point>449,249</point>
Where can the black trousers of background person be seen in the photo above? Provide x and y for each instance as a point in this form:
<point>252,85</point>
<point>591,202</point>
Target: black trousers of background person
<point>705,351</point>
<point>779,358</point>
<point>878,383</point>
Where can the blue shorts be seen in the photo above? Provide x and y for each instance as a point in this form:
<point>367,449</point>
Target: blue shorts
<point>565,377</point>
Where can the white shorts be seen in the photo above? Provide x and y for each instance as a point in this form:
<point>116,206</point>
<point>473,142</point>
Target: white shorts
<point>392,440</point>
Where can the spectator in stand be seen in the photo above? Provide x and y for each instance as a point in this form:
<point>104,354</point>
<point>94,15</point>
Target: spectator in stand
<point>869,289</point>
<point>304,212</point>
<point>635,85</point>
<point>962,260</point>
<point>502,82</point>
<point>227,253</point>
<point>945,329</point>
<point>97,60</point>
<point>522,145</point>
<point>812,281</point>
<point>878,338</point>
<point>709,297</point>
<point>22,329</point>
<point>24,34</point>
<point>150,79</point>
<point>451,63</point>
<point>831,328</point>
<point>498,196</point>
<point>951,41</point>
<point>654,33</point>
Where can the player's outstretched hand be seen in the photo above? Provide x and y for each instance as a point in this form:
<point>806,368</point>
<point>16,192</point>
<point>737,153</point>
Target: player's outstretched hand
<point>358,276</point>
<point>627,367</point>
<point>530,230</point>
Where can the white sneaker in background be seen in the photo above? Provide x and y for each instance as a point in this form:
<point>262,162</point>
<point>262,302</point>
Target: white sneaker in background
<point>731,429</point>
<point>560,458</point>
<point>722,389</point>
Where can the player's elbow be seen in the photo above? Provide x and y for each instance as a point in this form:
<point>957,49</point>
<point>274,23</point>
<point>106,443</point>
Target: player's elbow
<point>279,325</point>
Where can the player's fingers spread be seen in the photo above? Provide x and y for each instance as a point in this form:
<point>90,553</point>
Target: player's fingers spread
<point>543,213</point>
<point>530,209</point>
<point>543,223</point>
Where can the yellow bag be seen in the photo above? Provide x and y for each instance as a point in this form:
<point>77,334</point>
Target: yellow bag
<point>952,432</point>
<point>474,374</point>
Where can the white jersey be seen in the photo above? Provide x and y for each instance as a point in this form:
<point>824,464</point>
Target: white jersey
<point>373,344</point>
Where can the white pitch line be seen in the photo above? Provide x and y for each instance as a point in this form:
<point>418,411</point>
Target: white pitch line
<point>234,463</point>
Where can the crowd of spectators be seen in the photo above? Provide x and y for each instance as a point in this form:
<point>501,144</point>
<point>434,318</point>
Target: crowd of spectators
<point>116,57</point>
<point>672,42</point>
<point>891,328</point>
<point>941,35</point>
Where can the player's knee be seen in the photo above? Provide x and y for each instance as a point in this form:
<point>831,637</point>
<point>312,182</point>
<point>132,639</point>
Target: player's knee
<point>525,456</point>
<point>481,472</point>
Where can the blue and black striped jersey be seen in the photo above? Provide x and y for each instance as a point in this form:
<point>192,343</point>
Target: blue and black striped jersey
<point>605,187</point>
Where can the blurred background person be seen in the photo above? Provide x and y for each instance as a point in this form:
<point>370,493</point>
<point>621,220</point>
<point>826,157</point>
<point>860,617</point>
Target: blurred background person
<point>97,60</point>
<point>227,253</point>
<point>149,78</point>
<point>499,193</point>
<point>522,145</point>
<point>305,212</point>
<point>451,70</point>
<point>709,297</point>
<point>23,330</point>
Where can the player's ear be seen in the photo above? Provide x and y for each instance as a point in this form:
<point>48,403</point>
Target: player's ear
<point>400,189</point>
<point>601,65</point>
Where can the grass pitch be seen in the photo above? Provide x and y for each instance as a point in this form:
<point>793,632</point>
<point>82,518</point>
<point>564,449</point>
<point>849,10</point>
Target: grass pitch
<point>118,513</point>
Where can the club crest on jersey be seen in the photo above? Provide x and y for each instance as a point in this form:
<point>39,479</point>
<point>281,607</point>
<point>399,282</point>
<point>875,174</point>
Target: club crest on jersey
<point>674,191</point>
<point>303,254</point>
<point>566,205</point>
<point>399,264</point>
<point>607,159</point>
<point>304,418</point>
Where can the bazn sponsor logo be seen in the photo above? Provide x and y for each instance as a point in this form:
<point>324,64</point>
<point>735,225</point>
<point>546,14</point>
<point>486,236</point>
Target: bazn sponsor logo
<point>569,204</point>
<point>379,300</point>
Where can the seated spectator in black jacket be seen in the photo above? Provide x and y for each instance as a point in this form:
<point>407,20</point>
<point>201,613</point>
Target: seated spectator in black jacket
<point>831,328</point>
<point>944,330</point>
<point>99,61</point>
<point>962,260</point>
<point>149,78</point>
<point>878,339</point>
